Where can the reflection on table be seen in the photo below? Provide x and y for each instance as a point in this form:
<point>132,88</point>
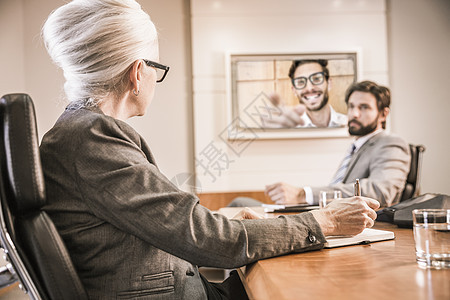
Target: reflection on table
<point>381,270</point>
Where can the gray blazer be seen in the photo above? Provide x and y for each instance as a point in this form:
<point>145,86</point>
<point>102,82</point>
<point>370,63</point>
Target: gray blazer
<point>382,165</point>
<point>130,232</point>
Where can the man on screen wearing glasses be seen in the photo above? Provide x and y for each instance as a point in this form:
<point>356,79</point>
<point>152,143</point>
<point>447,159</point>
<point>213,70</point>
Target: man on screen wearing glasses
<point>311,83</point>
<point>380,160</point>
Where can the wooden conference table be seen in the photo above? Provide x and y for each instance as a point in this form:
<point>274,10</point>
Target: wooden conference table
<point>381,270</point>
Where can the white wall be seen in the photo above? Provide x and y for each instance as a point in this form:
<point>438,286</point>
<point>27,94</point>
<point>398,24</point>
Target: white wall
<point>11,47</point>
<point>292,26</point>
<point>26,67</point>
<point>419,59</point>
<point>417,46</point>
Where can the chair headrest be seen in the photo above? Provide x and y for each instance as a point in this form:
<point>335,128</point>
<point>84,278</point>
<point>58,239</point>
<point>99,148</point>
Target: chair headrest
<point>21,169</point>
<point>413,166</point>
<point>416,152</point>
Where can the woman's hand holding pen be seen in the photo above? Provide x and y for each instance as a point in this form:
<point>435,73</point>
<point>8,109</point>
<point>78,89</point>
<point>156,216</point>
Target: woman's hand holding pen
<point>348,216</point>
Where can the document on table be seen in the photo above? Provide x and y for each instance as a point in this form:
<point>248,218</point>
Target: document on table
<point>289,208</point>
<point>240,213</point>
<point>368,235</point>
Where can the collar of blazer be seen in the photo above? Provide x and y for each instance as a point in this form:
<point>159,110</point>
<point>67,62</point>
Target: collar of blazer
<point>369,143</point>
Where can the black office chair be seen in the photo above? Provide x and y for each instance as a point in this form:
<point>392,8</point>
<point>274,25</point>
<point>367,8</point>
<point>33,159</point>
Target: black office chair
<point>28,236</point>
<point>412,186</point>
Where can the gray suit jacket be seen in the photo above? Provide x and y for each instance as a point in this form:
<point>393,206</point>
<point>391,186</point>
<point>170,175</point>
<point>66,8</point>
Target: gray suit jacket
<point>130,232</point>
<point>381,164</point>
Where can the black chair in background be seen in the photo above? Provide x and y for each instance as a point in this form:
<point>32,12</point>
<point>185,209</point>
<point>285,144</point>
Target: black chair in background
<point>412,186</point>
<point>29,238</point>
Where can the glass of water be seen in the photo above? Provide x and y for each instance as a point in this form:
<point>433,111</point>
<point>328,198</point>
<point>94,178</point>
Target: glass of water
<point>432,237</point>
<point>325,197</point>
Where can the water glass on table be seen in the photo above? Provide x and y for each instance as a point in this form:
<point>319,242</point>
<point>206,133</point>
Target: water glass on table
<point>432,237</point>
<point>325,197</point>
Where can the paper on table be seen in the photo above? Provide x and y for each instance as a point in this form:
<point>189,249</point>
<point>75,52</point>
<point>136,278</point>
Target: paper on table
<point>368,235</point>
<point>289,207</point>
<point>239,213</point>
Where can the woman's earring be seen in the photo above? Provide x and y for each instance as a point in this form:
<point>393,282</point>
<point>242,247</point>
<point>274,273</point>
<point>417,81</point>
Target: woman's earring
<point>136,93</point>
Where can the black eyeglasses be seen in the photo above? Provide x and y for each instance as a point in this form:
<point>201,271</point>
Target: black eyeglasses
<point>161,70</point>
<point>316,79</point>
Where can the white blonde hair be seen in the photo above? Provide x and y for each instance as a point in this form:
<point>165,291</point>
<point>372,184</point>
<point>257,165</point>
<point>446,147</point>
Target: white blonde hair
<point>95,43</point>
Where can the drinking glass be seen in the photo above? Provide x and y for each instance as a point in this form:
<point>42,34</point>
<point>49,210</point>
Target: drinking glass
<point>432,237</point>
<point>326,197</point>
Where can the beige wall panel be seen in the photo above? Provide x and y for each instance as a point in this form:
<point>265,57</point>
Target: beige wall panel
<point>243,34</point>
<point>285,7</point>
<point>419,58</point>
<point>12,75</point>
<point>263,70</point>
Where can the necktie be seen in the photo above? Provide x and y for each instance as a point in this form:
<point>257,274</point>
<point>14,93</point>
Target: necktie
<point>339,176</point>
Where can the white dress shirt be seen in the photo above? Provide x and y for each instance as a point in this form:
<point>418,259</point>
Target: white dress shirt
<point>336,119</point>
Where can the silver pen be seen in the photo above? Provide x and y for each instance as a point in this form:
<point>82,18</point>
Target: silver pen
<point>357,188</point>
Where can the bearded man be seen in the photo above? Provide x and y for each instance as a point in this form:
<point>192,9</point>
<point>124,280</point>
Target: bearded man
<point>378,159</point>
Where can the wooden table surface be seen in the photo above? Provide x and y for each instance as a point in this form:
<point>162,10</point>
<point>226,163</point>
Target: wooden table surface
<point>381,270</point>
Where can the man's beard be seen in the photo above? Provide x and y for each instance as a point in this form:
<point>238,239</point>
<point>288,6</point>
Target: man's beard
<point>322,104</point>
<point>363,130</point>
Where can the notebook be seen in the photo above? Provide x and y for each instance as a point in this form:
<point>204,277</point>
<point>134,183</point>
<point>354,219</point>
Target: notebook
<point>367,236</point>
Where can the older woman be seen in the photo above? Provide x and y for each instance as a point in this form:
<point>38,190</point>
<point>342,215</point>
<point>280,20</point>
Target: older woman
<point>130,232</point>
